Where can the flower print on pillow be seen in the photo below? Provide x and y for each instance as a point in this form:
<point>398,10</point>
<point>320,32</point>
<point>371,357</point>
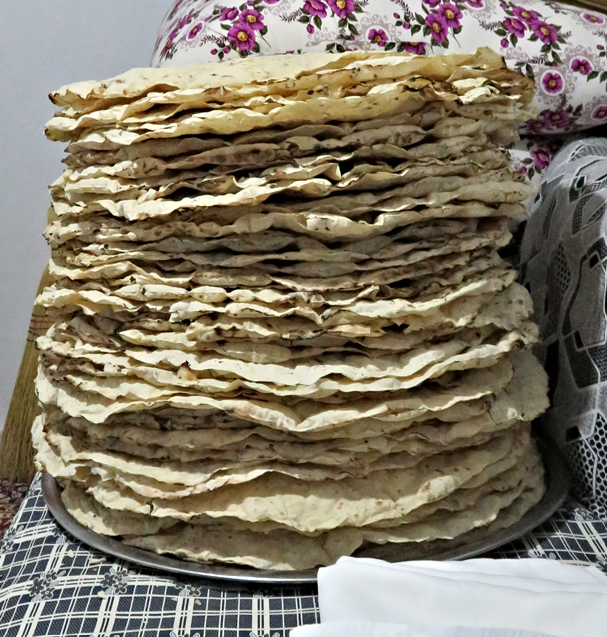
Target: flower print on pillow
<point>342,8</point>
<point>561,119</point>
<point>315,8</point>
<point>538,40</point>
<point>242,37</point>
<point>593,18</point>
<point>417,48</point>
<point>581,65</point>
<point>515,27</point>
<point>344,12</point>
<point>552,82</point>
<point>450,14</point>
<point>600,114</point>
<point>378,36</point>
<point>438,21</point>
<point>180,28</point>
<point>240,28</point>
<point>229,14</point>
<point>437,28</point>
<point>532,155</point>
<point>522,23</point>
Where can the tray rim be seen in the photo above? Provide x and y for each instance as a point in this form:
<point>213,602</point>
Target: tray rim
<point>558,479</point>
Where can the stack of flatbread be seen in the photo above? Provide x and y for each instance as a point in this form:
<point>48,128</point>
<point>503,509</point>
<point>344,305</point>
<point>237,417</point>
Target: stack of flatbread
<point>283,330</point>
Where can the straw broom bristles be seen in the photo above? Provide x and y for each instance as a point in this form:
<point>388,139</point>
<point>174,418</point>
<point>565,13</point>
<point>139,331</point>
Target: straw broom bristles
<point>16,451</point>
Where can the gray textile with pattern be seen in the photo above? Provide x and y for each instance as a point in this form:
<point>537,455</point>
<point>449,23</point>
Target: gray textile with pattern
<point>563,264</point>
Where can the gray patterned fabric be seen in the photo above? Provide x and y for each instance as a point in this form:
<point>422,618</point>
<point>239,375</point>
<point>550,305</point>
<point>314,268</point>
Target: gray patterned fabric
<point>53,586</point>
<point>563,263</point>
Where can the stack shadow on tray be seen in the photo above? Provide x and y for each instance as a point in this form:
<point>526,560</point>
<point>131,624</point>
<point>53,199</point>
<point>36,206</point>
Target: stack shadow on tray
<point>283,331</point>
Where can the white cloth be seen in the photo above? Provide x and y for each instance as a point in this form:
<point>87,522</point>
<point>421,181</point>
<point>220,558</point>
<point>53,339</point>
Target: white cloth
<point>362,628</point>
<point>444,599</point>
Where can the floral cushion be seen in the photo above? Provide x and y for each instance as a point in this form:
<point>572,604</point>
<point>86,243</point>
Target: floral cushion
<point>562,47</point>
<point>532,155</point>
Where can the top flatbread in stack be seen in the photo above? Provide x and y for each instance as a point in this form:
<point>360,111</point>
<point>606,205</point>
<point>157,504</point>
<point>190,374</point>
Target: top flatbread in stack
<point>283,329</point>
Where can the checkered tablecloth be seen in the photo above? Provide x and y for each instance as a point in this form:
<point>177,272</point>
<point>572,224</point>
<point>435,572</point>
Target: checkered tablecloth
<point>51,585</point>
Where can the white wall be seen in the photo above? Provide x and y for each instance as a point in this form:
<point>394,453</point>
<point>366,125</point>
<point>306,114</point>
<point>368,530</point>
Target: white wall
<point>43,45</point>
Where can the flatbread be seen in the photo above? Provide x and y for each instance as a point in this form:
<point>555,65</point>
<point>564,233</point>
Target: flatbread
<point>299,417</point>
<point>281,328</point>
<point>304,138</point>
<point>493,187</point>
<point>285,550</point>
<point>385,374</point>
<point>391,141</point>
<point>470,84</point>
<point>275,74</point>
<point>523,399</point>
<point>278,498</point>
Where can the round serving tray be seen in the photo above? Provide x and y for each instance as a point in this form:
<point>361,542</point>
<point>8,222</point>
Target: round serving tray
<point>557,479</point>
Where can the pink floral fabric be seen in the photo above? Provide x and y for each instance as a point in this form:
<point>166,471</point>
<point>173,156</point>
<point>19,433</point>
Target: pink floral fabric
<point>564,48</point>
<point>533,154</point>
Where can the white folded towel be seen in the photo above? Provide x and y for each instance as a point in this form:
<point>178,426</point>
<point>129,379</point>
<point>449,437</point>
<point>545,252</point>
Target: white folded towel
<point>474,598</point>
<point>362,628</point>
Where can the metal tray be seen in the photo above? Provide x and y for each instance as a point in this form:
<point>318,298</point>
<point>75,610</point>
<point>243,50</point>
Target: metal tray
<point>557,478</point>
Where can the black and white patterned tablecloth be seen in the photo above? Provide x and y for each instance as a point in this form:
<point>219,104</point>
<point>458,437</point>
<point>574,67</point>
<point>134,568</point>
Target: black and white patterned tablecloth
<point>53,586</point>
